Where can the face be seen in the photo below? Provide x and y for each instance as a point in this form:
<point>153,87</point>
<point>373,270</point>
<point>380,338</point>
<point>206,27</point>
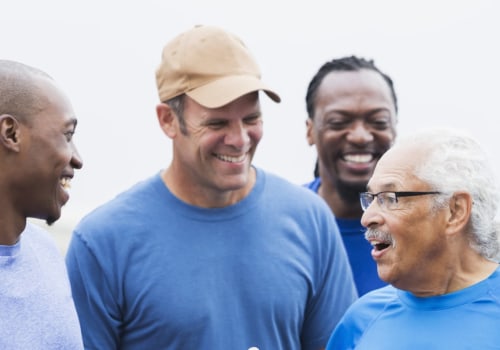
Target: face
<point>213,159</point>
<point>353,125</point>
<point>49,156</point>
<point>409,246</point>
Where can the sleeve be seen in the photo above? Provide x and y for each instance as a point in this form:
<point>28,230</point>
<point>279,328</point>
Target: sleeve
<point>95,303</point>
<point>335,290</point>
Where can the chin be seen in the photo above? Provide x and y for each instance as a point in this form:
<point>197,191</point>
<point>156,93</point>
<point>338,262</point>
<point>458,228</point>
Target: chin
<point>49,220</point>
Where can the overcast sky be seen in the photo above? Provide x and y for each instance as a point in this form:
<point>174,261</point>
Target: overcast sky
<point>443,56</point>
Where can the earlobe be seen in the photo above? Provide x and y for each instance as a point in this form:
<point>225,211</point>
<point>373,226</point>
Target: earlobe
<point>309,132</point>
<point>9,132</point>
<point>166,119</point>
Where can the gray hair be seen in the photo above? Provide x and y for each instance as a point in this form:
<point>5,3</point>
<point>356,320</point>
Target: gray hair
<point>177,105</point>
<point>456,162</point>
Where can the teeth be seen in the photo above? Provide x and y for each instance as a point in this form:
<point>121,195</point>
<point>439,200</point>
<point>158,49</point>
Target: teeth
<point>358,158</point>
<point>374,243</point>
<point>231,159</point>
<point>65,182</point>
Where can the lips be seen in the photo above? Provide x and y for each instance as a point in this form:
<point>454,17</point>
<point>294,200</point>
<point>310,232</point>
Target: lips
<point>358,158</point>
<point>231,159</point>
<point>380,241</point>
<point>65,182</point>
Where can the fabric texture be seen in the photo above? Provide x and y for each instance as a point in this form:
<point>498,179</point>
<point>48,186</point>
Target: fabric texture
<point>391,319</point>
<point>149,271</point>
<point>364,268</point>
<point>36,307</point>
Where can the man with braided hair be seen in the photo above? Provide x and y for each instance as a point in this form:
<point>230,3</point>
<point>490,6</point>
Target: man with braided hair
<point>352,115</point>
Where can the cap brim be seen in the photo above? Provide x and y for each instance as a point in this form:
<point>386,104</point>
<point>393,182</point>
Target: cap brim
<point>223,91</point>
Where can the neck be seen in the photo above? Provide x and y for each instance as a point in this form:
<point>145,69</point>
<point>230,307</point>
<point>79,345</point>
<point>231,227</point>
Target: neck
<point>343,209</point>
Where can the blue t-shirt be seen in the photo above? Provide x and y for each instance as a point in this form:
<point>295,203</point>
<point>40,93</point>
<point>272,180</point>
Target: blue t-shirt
<point>149,271</point>
<point>364,268</point>
<point>392,319</point>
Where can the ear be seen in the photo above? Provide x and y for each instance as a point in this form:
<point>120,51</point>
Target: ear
<point>310,131</point>
<point>10,132</point>
<point>167,120</point>
<point>460,211</point>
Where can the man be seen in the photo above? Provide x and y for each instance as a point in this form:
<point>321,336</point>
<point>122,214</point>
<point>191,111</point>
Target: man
<point>38,158</point>
<point>430,217</point>
<point>352,109</point>
<point>211,252</point>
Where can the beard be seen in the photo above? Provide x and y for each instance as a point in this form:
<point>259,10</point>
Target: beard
<point>349,191</point>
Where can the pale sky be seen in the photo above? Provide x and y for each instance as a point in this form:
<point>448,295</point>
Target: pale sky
<point>444,58</point>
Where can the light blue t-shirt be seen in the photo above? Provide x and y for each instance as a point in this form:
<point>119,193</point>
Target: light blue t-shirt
<point>149,271</point>
<point>392,319</point>
<point>36,308</point>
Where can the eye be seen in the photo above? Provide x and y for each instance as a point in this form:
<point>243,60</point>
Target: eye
<point>216,124</point>
<point>69,135</point>
<point>389,199</point>
<point>380,122</point>
<point>253,119</point>
<point>338,124</point>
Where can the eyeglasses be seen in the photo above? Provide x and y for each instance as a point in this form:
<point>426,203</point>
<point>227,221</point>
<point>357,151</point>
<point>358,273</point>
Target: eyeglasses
<point>387,199</point>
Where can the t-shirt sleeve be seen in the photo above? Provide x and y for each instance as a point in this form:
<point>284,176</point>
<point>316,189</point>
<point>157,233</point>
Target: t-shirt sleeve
<point>97,309</point>
<point>335,290</point>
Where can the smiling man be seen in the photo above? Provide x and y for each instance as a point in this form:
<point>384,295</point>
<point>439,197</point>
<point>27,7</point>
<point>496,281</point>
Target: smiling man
<point>211,252</point>
<point>38,159</point>
<point>430,213</point>
<point>352,109</point>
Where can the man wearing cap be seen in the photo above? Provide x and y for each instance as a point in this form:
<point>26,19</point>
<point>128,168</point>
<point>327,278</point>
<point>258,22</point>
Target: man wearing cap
<point>211,252</point>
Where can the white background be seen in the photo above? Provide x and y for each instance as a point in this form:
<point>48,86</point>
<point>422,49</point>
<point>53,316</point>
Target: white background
<point>444,57</point>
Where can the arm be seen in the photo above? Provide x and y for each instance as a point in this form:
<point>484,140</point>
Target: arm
<point>95,303</point>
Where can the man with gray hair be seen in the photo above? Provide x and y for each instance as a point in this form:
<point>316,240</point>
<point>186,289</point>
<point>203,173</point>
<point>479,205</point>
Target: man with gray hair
<point>430,213</point>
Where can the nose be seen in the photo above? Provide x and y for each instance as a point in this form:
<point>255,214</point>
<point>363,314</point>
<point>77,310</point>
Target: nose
<point>359,133</point>
<point>371,215</point>
<point>76,161</point>
<point>237,135</point>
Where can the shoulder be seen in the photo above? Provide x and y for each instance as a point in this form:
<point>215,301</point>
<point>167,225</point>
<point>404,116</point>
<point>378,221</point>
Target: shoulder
<point>371,305</point>
<point>118,213</point>
<point>360,315</point>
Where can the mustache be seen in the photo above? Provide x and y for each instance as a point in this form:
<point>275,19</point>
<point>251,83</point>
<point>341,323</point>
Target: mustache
<point>374,234</point>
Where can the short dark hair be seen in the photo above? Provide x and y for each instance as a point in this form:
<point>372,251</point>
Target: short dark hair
<point>343,64</point>
<point>349,63</point>
<point>19,93</point>
<point>177,105</point>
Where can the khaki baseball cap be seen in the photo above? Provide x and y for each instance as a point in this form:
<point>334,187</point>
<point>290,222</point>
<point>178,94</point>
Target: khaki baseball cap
<point>211,66</point>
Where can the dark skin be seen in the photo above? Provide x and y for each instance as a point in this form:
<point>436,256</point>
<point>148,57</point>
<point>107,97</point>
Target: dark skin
<point>38,159</point>
<point>353,125</point>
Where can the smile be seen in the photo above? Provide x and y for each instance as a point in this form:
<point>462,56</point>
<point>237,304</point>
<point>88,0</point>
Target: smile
<point>231,159</point>
<point>65,182</point>
<point>358,158</point>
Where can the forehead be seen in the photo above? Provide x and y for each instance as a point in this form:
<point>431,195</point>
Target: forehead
<point>396,168</point>
<point>345,84</point>
<point>54,104</point>
<point>242,106</point>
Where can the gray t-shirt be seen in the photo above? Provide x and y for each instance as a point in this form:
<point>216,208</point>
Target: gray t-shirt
<point>36,306</point>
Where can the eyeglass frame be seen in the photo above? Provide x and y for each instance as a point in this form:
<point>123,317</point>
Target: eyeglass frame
<point>363,196</point>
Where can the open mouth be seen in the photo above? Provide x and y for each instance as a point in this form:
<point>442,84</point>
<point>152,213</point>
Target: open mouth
<point>230,159</point>
<point>65,182</point>
<point>359,158</point>
<point>380,246</point>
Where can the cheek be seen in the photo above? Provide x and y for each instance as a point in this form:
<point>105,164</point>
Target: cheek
<point>255,133</point>
<point>385,139</point>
